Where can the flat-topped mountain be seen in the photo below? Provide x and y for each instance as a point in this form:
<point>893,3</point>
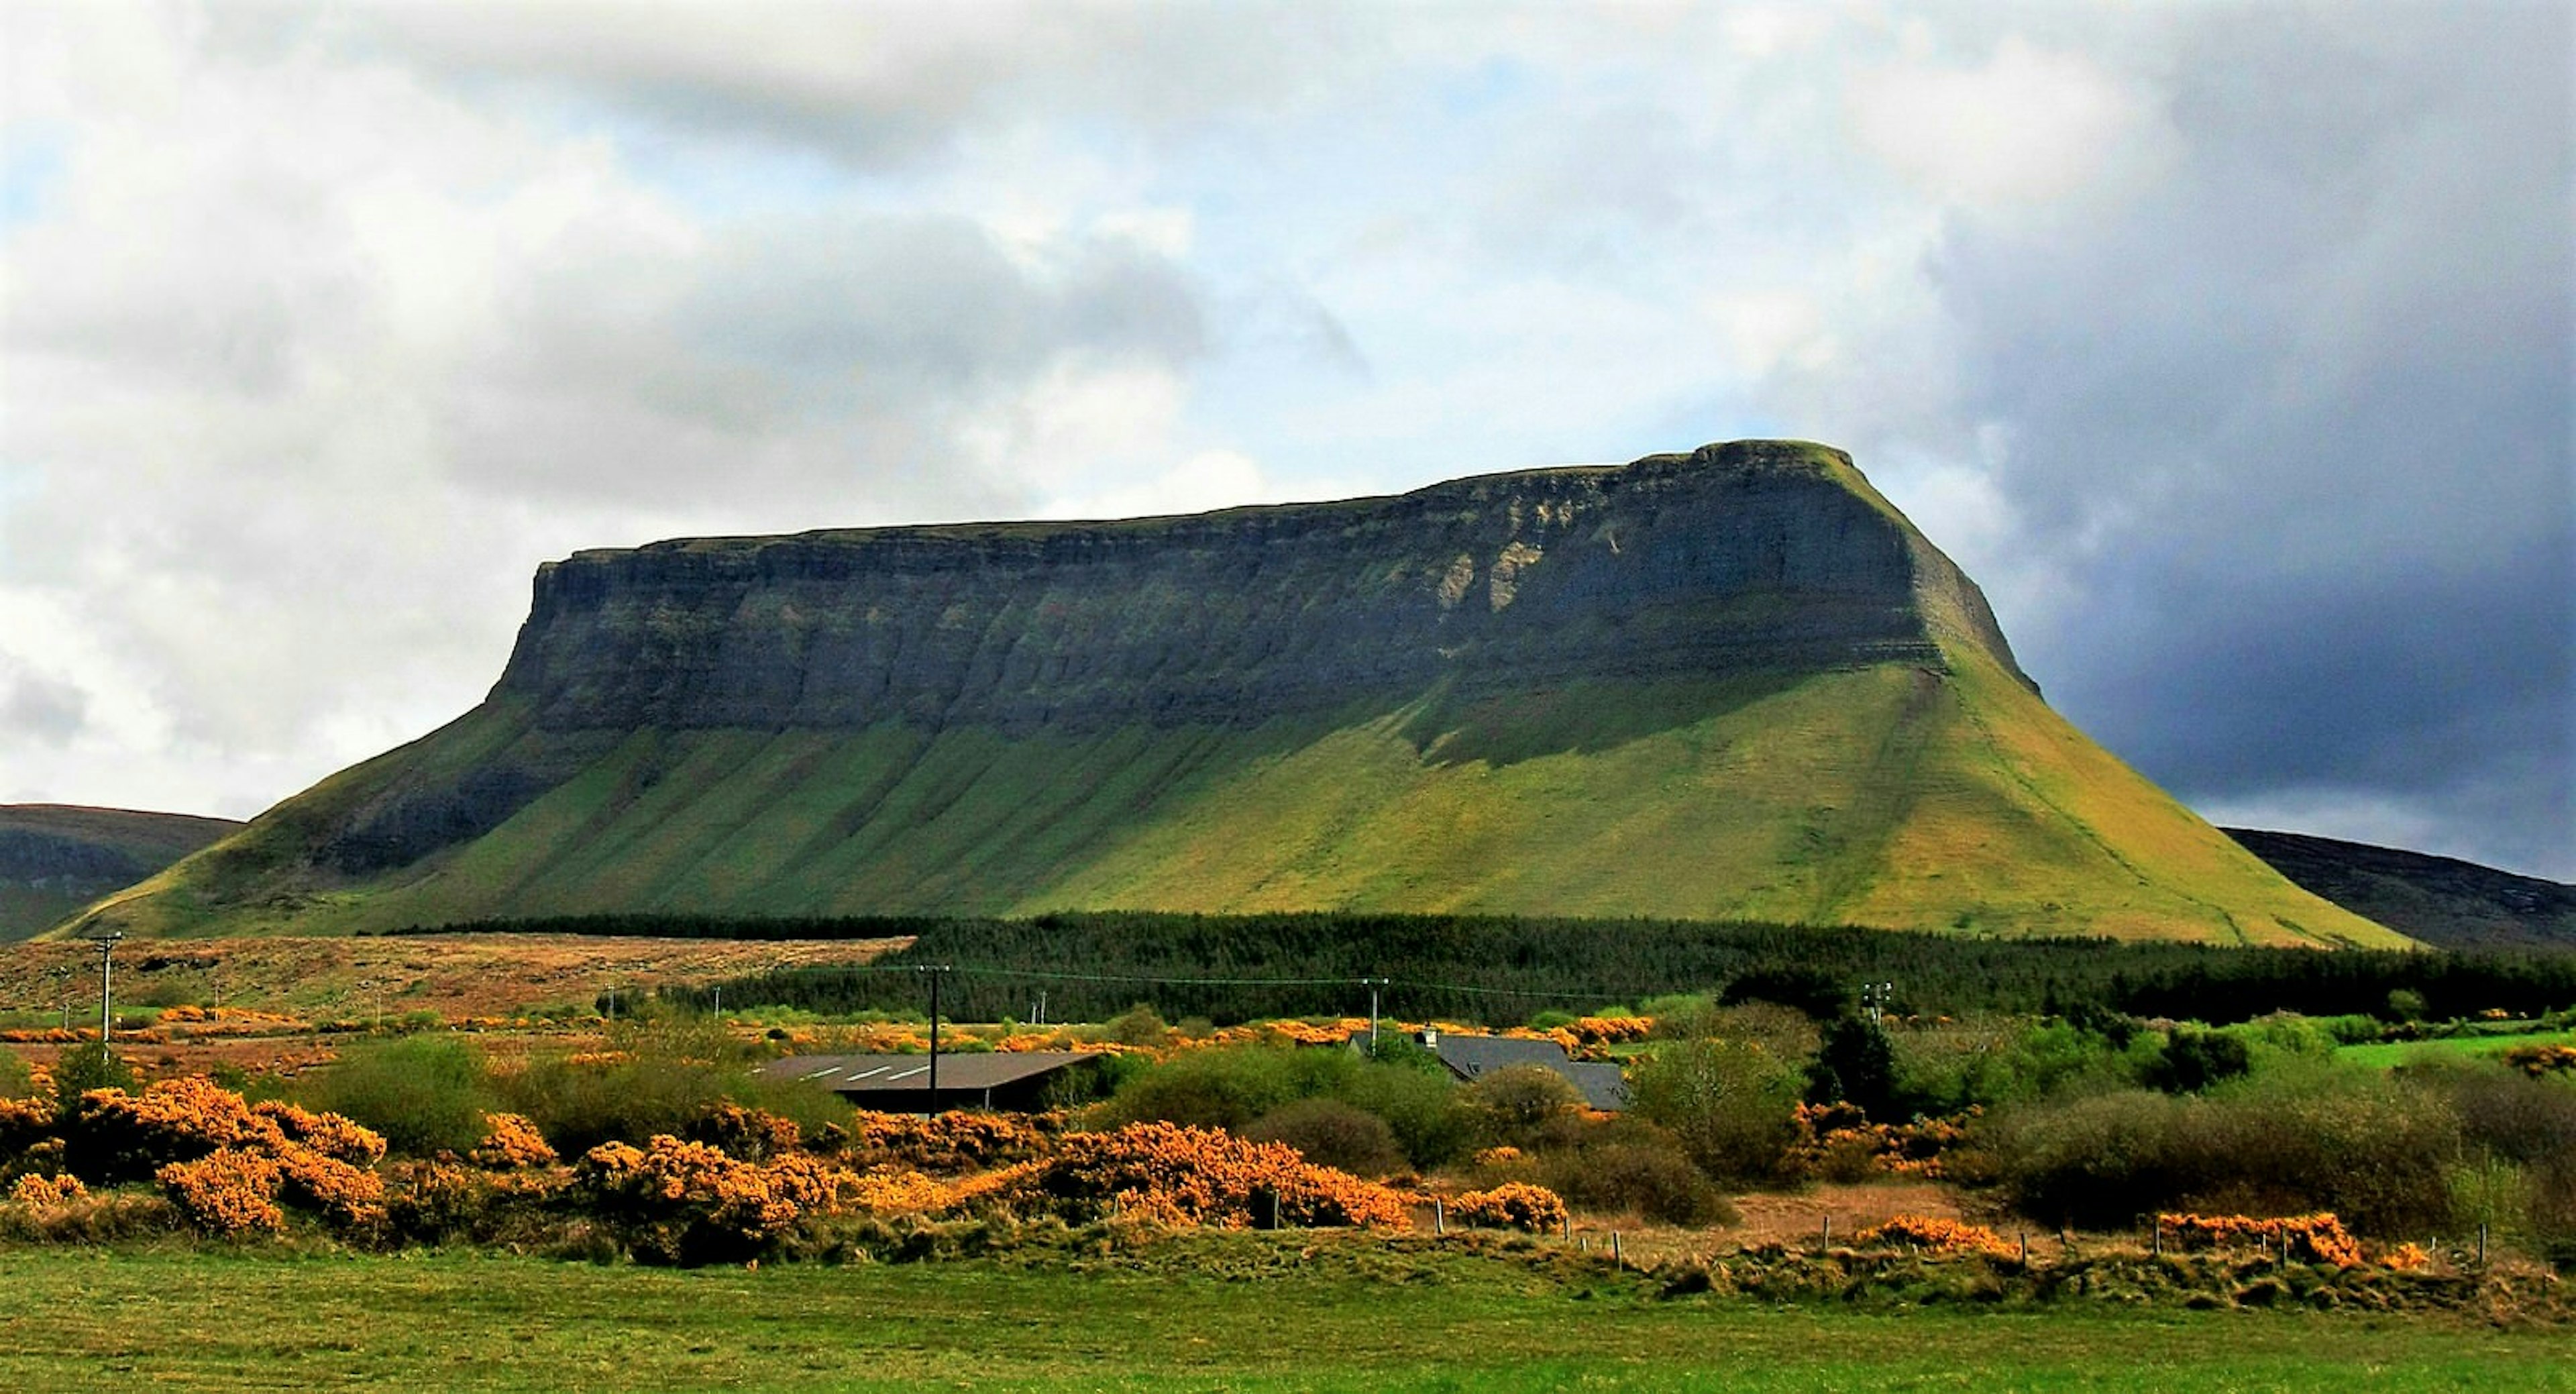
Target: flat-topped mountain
<point>56,858</point>
<point>1729,684</point>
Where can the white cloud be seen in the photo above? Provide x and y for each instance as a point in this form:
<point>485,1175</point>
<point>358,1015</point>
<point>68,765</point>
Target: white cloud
<point>2028,126</point>
<point>325,323</point>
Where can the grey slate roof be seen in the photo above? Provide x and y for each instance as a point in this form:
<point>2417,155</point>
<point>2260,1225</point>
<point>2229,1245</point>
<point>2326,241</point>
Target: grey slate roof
<point>880,1074</point>
<point>1470,1057</point>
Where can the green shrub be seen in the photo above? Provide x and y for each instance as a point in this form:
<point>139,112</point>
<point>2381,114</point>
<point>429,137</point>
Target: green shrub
<point>1333,1134</point>
<point>1688,1016</point>
<point>424,1094</point>
<point>1731,1105</point>
<point>1222,1088</point>
<point>2054,1058</point>
<point>1635,1168</point>
<point>1421,1108</point>
<point>2373,1150</point>
<point>1139,1025</point>
<point>1232,1086</point>
<point>1515,1105</point>
<point>657,1076</point>
<point>17,1081</point>
<point>2195,1058</point>
<point>84,1068</point>
<point>1856,1065</point>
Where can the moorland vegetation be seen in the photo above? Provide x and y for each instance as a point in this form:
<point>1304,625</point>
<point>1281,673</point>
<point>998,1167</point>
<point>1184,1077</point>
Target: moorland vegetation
<point>655,1139</point>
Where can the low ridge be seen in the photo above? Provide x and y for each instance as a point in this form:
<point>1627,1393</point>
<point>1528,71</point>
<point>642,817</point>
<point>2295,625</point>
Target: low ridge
<point>2441,901</point>
<point>56,858</point>
<point>1731,684</point>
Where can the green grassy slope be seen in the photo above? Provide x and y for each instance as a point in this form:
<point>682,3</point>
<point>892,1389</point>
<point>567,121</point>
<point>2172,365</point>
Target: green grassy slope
<point>1889,796</point>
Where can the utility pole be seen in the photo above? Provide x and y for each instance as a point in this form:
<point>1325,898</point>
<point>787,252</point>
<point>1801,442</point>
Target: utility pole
<point>106,987</point>
<point>936,972</point>
<point>1373,985</point>
<point>719,999</point>
<point>1875,997</point>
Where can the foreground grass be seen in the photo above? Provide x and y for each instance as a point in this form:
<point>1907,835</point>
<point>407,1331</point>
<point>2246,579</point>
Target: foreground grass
<point>1249,1313</point>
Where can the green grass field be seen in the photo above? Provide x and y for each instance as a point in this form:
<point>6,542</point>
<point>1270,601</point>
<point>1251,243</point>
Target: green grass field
<point>88,1319</point>
<point>2391,1053</point>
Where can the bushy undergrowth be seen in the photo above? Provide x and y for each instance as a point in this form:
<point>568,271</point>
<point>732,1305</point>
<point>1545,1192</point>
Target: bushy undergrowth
<point>2390,1153</point>
<point>1241,1086</point>
<point>430,1095</point>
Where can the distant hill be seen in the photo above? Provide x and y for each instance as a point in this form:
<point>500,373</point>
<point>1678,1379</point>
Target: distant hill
<point>55,858</point>
<point>2447,903</point>
<point>1733,684</point>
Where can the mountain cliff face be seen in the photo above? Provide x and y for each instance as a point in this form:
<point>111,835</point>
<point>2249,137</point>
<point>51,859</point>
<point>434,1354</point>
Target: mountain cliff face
<point>1752,556</point>
<point>1733,683</point>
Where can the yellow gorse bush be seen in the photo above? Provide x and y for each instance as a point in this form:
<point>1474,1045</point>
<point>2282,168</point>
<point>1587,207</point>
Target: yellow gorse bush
<point>45,1192</point>
<point>228,1191</point>
<point>1937,1235</point>
<point>1512,1205</point>
<point>511,1143</point>
<point>2320,1237</point>
<point>1171,1174</point>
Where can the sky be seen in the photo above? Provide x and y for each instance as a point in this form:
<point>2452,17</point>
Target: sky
<point>2227,345</point>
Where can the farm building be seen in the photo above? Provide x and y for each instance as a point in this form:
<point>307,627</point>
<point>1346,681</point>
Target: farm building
<point>1470,1057</point>
<point>1012,1081</point>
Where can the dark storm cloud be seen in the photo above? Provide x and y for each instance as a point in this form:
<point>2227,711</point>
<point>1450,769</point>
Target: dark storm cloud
<point>2297,422</point>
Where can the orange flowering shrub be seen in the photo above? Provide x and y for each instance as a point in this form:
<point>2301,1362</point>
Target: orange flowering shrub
<point>342,1194</point>
<point>47,1191</point>
<point>682,1202</point>
<point>329,1134</point>
<point>229,1166</point>
<point>1501,1156</point>
<point>111,1136</point>
<point>747,1133</point>
<point>2539,1060</point>
<point>1513,1205</point>
<point>1611,1030</point>
<point>902,1192</point>
<point>1178,1175</point>
<point>511,1143</point>
<point>947,1142</point>
<point>2406,1258</point>
<point>1936,1235</point>
<point>2320,1238</point>
<point>1839,1141</point>
<point>228,1191</point>
<point>23,1123</point>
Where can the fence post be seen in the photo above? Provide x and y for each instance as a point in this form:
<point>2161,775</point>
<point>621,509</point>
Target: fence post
<point>1615,1260</point>
<point>1827,1241</point>
<point>2482,1244</point>
<point>2025,1248</point>
<point>1439,1217</point>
